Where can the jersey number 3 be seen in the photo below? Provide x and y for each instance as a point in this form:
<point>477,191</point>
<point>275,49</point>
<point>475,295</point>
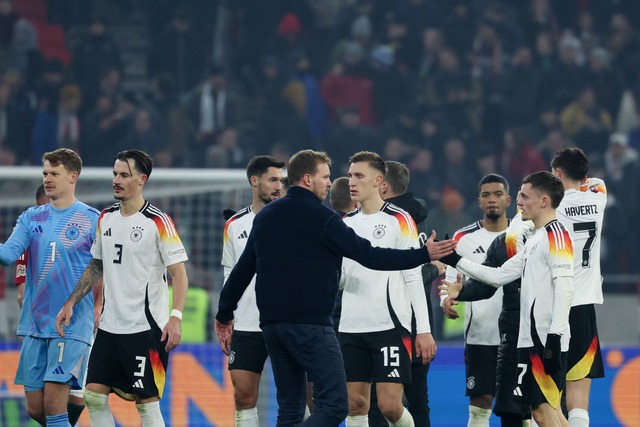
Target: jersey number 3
<point>118,259</point>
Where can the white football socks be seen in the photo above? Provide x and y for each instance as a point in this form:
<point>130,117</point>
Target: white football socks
<point>247,418</point>
<point>478,417</point>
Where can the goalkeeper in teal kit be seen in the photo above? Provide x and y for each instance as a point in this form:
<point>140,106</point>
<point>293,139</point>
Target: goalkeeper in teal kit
<point>58,236</point>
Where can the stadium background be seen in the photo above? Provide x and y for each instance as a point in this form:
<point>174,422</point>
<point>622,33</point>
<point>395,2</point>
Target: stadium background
<point>135,84</point>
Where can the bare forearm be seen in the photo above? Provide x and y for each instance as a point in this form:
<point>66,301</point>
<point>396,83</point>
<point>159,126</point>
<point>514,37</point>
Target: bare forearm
<point>180,284</point>
<point>91,276</point>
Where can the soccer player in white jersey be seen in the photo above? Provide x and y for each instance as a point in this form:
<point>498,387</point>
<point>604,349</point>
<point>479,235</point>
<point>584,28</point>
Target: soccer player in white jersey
<point>582,212</point>
<point>375,321</point>
<point>482,337</point>
<point>58,236</point>
<point>546,267</point>
<point>136,244</point>
<point>247,351</point>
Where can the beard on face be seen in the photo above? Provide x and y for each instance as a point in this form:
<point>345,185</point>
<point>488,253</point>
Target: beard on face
<point>493,215</point>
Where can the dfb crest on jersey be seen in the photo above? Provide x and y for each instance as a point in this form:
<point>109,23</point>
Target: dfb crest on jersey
<point>136,234</point>
<point>72,233</point>
<point>378,232</point>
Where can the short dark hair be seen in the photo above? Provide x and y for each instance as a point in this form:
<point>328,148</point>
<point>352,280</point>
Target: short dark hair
<point>572,161</point>
<point>143,162</point>
<point>548,183</point>
<point>40,192</point>
<point>397,176</point>
<point>340,195</point>
<point>65,157</point>
<point>259,165</point>
<point>305,162</point>
<point>493,177</point>
<point>374,160</point>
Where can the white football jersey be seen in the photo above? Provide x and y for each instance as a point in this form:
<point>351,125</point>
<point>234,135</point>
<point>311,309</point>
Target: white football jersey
<point>481,317</point>
<point>236,233</point>
<point>582,214</point>
<point>135,252</point>
<point>547,255</point>
<point>371,298</point>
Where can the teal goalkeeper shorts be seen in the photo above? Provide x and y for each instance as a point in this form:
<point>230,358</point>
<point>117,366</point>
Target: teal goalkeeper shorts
<point>60,360</point>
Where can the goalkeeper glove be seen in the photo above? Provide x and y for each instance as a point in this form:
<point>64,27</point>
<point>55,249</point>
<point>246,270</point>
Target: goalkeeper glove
<point>551,356</point>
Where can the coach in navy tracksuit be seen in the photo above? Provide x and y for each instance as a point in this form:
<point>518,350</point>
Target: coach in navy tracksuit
<point>296,248</point>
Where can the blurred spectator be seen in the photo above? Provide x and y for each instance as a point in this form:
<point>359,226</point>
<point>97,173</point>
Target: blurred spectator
<point>545,54</point>
<point>418,15</point>
<point>586,32</point>
<point>180,51</point>
<point>546,121</point>
<point>460,26</point>
<point>432,45</point>
<point>58,125</point>
<point>425,181</point>
<point>403,125</point>
<point>13,136</point>
<point>144,136</point>
<point>21,106</point>
<point>621,162</point>
<point>361,35</point>
<point>519,156</point>
<point>565,78</point>
<point>95,52</point>
<point>391,87</point>
<point>172,117</point>
<point>18,40</point>
<point>520,89</point>
<point>624,44</point>
<point>456,93</point>
<point>315,110</point>
<point>406,52</point>
<point>450,214</point>
<point>49,83</point>
<point>211,107</point>
<point>586,122</point>
<point>539,17</point>
<point>283,105</point>
<point>432,134</point>
<point>456,169</point>
<point>486,162</point>
<point>622,168</point>
<point>555,140</point>
<point>105,124</point>
<point>226,152</point>
<point>349,83</point>
<point>348,137</point>
<point>290,36</point>
<point>606,82</point>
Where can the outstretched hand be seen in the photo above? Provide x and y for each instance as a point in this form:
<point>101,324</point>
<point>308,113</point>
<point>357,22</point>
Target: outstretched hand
<point>439,249</point>
<point>451,290</point>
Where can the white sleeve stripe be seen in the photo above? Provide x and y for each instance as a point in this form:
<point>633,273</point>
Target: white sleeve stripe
<point>168,225</point>
<point>558,235</point>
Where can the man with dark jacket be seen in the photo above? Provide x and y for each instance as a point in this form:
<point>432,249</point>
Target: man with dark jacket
<point>296,248</point>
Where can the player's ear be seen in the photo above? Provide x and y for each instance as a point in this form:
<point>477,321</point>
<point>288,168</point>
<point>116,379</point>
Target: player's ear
<point>143,179</point>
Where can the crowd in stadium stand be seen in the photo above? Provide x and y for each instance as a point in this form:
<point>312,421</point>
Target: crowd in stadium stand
<point>453,88</point>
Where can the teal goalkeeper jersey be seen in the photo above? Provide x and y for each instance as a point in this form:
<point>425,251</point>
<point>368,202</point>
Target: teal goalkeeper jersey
<point>59,243</point>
